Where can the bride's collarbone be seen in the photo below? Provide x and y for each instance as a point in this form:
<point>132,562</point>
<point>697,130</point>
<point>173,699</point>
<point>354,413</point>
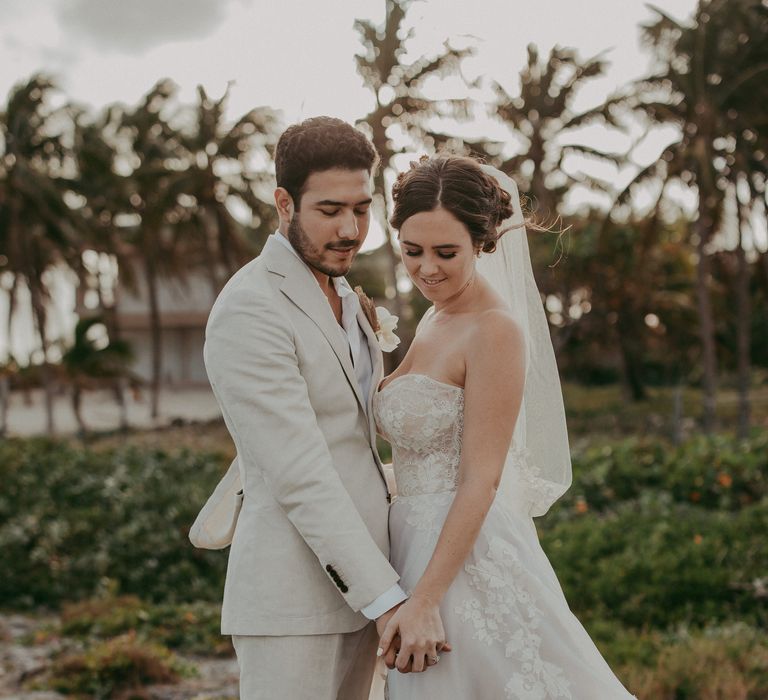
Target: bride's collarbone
<point>439,357</point>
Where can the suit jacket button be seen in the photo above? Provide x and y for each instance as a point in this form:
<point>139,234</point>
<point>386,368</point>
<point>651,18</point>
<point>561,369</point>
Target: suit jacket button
<point>328,568</point>
<point>343,588</point>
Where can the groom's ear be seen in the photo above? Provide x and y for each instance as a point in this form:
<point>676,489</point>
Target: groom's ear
<point>284,205</point>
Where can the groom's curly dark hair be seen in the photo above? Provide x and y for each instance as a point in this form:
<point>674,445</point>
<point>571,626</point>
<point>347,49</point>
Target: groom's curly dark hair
<point>317,144</point>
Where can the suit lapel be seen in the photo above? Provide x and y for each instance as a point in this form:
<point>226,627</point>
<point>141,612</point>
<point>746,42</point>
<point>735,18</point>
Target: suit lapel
<point>377,362</point>
<point>300,286</point>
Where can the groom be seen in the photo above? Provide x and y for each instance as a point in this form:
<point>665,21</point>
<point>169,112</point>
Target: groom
<point>294,364</point>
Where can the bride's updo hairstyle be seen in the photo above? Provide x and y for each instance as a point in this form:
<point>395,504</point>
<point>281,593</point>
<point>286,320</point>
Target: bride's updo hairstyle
<point>460,186</point>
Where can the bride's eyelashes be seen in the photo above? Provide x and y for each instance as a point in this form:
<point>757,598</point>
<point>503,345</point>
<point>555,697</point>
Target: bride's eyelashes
<point>444,256</point>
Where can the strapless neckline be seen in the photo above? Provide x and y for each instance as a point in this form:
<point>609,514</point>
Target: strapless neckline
<point>417,375</point>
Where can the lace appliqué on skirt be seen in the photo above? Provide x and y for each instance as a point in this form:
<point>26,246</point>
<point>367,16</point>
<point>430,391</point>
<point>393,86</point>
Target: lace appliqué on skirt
<point>504,612</point>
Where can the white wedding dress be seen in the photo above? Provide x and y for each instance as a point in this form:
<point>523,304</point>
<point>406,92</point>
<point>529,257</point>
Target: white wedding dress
<point>505,615</point>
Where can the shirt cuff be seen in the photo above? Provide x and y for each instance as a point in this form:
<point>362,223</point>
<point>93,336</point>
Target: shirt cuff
<point>386,601</point>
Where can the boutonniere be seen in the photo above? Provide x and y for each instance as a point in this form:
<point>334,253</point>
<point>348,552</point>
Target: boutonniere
<point>382,322</point>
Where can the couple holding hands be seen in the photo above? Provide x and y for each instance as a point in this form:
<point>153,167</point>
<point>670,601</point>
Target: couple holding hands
<point>327,571</point>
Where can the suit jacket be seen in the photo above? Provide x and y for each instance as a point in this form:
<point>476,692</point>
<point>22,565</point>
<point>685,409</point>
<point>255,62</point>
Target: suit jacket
<point>311,544</point>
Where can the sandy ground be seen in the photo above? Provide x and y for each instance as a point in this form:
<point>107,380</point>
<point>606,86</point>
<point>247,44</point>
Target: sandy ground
<point>26,413</point>
<point>23,661</point>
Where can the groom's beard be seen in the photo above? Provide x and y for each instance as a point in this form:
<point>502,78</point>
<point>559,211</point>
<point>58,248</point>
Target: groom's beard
<point>320,258</point>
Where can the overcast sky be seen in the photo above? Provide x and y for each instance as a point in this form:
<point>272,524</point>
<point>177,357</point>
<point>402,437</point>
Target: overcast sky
<point>297,55</point>
<point>294,55</point>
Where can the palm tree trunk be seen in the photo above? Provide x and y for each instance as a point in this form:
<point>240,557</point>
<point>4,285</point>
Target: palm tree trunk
<point>706,322</point>
<point>45,369</point>
<point>764,258</point>
<point>11,309</point>
<point>76,409</point>
<point>5,396</point>
<point>630,344</point>
<point>156,336</point>
<point>5,381</point>
<point>677,414</point>
<point>743,331</point>
<point>118,389</point>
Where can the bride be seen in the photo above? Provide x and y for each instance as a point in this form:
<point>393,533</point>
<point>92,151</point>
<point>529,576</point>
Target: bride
<point>475,417</point>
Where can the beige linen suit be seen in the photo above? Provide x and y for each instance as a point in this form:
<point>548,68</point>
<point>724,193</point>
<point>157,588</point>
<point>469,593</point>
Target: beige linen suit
<point>311,544</point>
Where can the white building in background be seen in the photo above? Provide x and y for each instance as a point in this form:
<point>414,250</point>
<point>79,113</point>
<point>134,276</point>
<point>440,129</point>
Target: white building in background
<point>184,309</point>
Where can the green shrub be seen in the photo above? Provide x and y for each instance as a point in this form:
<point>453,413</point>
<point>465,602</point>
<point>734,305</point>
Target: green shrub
<point>70,519</point>
<point>717,472</point>
<point>629,542</point>
<point>114,668</point>
<point>657,563</point>
<point>190,628</point>
<point>719,664</point>
<point>103,617</point>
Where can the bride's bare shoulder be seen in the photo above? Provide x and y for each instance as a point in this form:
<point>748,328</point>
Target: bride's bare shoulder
<point>496,327</point>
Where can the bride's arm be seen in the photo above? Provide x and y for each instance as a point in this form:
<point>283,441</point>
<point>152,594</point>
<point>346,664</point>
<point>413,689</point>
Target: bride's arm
<point>495,376</point>
<point>492,395</point>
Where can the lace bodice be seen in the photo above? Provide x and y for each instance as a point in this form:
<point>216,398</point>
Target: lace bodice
<point>423,420</point>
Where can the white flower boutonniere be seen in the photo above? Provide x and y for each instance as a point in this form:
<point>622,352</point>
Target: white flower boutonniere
<point>388,341</point>
<point>382,322</point>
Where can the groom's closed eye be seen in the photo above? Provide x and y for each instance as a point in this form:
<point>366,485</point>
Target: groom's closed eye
<point>334,212</point>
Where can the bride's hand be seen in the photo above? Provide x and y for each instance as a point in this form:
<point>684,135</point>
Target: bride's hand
<point>422,638</point>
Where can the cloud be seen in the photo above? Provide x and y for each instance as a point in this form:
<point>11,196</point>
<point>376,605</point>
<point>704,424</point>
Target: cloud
<point>133,26</point>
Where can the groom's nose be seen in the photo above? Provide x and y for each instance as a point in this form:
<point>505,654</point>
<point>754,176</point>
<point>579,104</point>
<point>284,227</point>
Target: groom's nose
<point>348,226</point>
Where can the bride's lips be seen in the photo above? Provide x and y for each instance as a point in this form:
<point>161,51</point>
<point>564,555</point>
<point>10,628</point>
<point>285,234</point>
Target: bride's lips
<point>432,283</point>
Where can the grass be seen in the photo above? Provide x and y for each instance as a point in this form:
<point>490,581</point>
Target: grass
<point>596,412</point>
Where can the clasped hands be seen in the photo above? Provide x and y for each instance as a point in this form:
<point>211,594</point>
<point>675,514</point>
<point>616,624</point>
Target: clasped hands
<point>411,635</point>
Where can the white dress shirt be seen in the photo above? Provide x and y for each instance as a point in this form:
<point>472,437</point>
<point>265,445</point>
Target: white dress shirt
<point>361,359</point>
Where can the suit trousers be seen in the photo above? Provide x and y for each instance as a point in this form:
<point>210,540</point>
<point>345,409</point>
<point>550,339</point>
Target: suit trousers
<point>307,667</point>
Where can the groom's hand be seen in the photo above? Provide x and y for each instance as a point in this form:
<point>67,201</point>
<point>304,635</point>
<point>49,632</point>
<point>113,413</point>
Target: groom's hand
<point>419,627</point>
<point>382,620</point>
<point>390,655</point>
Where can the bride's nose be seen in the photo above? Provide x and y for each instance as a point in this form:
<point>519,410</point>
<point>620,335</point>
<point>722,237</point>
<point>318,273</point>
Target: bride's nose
<point>428,267</point>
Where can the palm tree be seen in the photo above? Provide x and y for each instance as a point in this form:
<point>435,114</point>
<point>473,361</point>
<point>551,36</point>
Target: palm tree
<point>105,193</point>
<point>747,175</point>
<point>401,108</point>
<point>158,154</point>
<point>39,230</point>
<point>182,176</point>
<point>88,365</point>
<point>710,71</point>
<point>541,117</point>
<point>226,163</point>
<point>745,164</point>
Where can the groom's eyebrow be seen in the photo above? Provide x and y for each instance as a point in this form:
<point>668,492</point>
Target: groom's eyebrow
<point>334,203</point>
